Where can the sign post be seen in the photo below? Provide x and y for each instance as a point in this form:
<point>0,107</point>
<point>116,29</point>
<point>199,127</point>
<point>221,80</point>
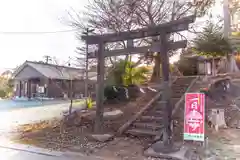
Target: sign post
<point>194,117</point>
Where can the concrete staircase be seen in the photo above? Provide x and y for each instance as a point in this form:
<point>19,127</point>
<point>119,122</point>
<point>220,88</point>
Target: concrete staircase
<point>150,123</point>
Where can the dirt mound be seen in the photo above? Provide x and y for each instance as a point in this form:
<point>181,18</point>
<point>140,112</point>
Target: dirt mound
<point>223,94</point>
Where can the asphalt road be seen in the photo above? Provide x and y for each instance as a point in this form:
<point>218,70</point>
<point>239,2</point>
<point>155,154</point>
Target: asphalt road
<point>12,118</point>
<point>10,154</point>
<point>13,154</point>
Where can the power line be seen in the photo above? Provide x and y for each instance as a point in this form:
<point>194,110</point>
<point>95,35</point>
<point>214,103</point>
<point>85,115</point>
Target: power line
<point>49,32</point>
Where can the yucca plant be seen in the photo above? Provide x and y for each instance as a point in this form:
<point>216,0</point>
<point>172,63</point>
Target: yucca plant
<point>135,76</point>
<point>125,73</point>
<point>89,103</point>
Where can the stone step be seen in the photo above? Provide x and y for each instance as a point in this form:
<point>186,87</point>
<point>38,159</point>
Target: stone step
<point>178,92</point>
<point>179,88</point>
<point>182,82</point>
<point>152,126</point>
<point>180,85</point>
<point>143,132</point>
<point>155,114</point>
<point>157,111</point>
<point>175,100</point>
<point>160,101</point>
<point>177,96</point>
<point>151,118</point>
<point>186,78</point>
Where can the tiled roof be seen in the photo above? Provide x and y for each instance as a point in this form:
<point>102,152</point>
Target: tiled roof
<point>55,71</point>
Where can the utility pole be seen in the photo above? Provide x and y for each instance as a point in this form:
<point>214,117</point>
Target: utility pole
<point>47,59</point>
<point>69,63</point>
<point>86,33</point>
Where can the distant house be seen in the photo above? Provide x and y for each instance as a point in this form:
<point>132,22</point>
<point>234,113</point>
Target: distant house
<point>205,65</point>
<point>33,79</point>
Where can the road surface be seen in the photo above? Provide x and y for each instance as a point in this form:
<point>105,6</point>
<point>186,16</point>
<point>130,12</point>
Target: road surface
<point>12,118</point>
<point>11,154</point>
<point>15,154</point>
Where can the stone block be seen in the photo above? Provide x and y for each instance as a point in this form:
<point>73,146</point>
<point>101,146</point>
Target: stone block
<point>101,137</point>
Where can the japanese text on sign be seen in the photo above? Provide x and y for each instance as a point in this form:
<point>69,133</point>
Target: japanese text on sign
<point>194,116</point>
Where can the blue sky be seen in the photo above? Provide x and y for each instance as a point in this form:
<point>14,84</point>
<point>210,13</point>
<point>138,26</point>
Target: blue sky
<point>36,16</point>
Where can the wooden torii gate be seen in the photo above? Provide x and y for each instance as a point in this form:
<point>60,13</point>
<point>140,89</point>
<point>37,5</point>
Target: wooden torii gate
<point>162,46</point>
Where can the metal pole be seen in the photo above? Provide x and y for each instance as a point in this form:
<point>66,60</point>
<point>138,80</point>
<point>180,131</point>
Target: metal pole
<point>71,96</point>
<point>86,69</point>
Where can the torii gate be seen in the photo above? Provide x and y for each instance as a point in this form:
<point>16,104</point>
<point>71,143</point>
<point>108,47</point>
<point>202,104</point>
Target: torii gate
<point>162,46</point>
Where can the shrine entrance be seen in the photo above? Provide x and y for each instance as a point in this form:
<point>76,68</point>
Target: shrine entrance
<point>163,46</point>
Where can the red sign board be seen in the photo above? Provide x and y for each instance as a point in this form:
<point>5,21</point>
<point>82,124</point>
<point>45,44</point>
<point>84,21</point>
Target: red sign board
<point>194,117</point>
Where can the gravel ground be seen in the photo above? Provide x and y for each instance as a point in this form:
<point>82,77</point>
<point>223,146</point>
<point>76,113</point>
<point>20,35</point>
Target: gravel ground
<point>225,144</point>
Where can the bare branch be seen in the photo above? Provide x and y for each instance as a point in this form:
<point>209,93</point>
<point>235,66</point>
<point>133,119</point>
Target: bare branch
<point>124,15</point>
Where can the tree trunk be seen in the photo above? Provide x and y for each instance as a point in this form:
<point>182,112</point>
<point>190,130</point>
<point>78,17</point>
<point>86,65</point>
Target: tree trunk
<point>228,63</point>
<point>71,96</point>
<point>156,75</point>
<point>232,65</point>
<point>213,67</point>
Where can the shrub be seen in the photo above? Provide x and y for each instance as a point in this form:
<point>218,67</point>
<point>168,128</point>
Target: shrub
<point>109,93</point>
<point>3,94</point>
<point>126,73</point>
<point>115,93</point>
<point>89,103</point>
<point>187,66</point>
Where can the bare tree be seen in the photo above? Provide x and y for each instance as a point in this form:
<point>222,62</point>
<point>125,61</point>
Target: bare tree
<point>124,15</point>
<point>80,59</point>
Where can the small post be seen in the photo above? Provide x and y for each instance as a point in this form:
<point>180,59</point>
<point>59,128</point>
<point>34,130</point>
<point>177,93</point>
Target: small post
<point>100,89</point>
<point>86,70</point>
<point>86,76</point>
<point>206,150</point>
<point>71,96</point>
<point>20,88</point>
